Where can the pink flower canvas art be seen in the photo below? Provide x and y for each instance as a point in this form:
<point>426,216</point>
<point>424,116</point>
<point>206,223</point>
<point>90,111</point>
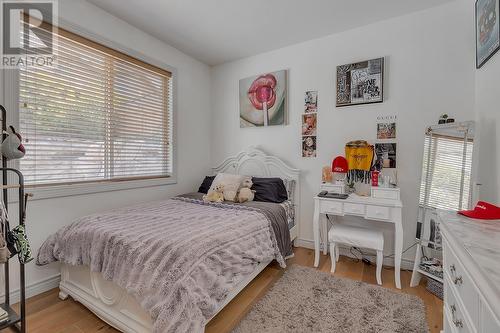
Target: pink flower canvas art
<point>263,100</point>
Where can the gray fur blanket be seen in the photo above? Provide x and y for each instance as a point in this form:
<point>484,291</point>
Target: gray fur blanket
<point>179,257</point>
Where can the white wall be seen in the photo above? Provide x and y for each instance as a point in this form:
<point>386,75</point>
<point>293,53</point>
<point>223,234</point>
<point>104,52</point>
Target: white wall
<point>193,153</point>
<point>429,71</point>
<point>488,119</point>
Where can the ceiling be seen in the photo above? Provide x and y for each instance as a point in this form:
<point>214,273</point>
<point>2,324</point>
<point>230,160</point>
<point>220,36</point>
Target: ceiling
<point>218,31</point>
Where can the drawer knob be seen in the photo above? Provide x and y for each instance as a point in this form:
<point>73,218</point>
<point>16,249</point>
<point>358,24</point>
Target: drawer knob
<point>458,280</point>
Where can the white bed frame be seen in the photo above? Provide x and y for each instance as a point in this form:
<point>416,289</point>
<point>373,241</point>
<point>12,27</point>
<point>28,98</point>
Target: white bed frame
<point>112,304</point>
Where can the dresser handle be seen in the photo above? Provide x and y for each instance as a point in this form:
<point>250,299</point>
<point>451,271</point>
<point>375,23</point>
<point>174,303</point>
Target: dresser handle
<point>458,280</point>
<point>456,322</point>
<point>452,268</point>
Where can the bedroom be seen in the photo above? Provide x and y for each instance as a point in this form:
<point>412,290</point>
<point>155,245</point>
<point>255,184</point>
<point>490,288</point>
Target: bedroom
<point>201,58</point>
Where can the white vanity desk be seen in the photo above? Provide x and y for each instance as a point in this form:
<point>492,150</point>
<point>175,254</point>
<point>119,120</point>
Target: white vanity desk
<point>471,250</point>
<point>369,208</point>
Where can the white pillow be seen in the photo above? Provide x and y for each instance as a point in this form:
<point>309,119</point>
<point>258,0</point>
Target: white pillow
<point>232,184</point>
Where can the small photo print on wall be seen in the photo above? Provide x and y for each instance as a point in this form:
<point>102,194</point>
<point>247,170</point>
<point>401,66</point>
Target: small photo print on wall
<point>311,102</point>
<point>308,146</point>
<point>386,154</point>
<point>386,131</point>
<point>309,124</point>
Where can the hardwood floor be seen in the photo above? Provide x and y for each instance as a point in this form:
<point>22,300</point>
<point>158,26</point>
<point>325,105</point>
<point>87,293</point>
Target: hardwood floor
<point>48,314</point>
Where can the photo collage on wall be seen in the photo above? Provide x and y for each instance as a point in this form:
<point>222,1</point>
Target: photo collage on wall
<point>309,124</point>
<point>385,147</point>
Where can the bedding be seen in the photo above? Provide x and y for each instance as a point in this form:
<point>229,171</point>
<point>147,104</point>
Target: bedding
<point>205,185</point>
<point>179,258</point>
<point>280,216</point>
<point>269,189</point>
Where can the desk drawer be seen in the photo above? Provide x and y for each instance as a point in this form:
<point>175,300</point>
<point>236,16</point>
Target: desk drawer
<point>354,209</point>
<point>461,283</point>
<point>385,193</point>
<point>332,207</point>
<point>454,313</point>
<point>378,213</point>
<point>333,188</point>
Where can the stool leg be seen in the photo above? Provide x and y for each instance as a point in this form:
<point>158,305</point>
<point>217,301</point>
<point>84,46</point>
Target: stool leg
<point>332,256</point>
<point>337,252</point>
<point>380,258</point>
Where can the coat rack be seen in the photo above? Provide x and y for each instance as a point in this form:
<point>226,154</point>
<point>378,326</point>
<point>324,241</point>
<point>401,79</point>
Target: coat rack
<point>15,321</point>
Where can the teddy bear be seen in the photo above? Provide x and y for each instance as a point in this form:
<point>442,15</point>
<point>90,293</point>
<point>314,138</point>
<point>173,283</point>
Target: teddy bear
<point>245,193</point>
<point>217,195</point>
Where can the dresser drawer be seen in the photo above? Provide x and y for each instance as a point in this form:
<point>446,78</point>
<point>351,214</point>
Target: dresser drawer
<point>354,209</point>
<point>454,313</point>
<point>378,213</point>
<point>332,207</point>
<point>488,322</point>
<point>461,282</point>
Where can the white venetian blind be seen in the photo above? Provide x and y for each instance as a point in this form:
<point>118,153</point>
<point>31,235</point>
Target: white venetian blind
<point>446,172</point>
<point>99,115</point>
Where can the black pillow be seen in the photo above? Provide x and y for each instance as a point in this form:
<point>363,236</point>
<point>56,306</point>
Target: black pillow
<point>269,189</point>
<point>205,186</point>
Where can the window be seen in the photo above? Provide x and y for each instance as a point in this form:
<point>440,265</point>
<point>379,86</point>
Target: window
<point>100,115</point>
<point>446,172</point>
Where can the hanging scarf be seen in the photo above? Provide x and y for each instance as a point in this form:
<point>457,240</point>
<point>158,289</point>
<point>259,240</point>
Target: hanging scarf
<point>359,155</point>
<point>4,228</point>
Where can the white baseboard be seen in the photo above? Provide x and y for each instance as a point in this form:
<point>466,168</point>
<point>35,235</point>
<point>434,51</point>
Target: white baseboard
<point>309,244</point>
<point>35,288</point>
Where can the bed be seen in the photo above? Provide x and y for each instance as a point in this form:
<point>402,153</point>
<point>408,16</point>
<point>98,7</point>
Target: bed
<point>120,309</point>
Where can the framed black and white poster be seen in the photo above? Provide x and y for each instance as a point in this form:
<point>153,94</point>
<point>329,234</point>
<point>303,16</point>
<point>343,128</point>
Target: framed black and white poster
<point>360,83</point>
<point>487,30</point>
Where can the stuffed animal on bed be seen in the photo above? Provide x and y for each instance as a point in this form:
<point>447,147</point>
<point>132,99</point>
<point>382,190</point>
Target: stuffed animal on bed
<point>217,195</point>
<point>245,193</point>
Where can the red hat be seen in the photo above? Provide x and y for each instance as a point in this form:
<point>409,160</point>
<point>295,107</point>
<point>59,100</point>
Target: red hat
<point>483,211</point>
<point>339,164</point>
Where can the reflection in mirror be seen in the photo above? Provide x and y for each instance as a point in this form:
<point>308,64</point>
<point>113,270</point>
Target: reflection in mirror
<point>446,180</point>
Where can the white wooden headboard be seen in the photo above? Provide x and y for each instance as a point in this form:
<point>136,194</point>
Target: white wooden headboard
<point>254,162</point>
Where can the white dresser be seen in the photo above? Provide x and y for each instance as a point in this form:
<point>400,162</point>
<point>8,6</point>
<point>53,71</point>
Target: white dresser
<point>471,250</point>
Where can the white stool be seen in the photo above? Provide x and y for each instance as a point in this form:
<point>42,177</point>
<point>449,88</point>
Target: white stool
<point>359,237</point>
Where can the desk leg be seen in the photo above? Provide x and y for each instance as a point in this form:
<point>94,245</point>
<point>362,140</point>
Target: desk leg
<point>316,232</point>
<point>324,225</point>
<point>398,247</point>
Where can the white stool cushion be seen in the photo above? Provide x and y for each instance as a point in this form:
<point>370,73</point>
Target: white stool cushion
<point>354,236</point>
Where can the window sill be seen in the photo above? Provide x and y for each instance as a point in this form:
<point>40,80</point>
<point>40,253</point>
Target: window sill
<point>48,192</point>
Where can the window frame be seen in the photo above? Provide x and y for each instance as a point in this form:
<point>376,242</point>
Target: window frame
<point>10,78</point>
<point>470,184</point>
